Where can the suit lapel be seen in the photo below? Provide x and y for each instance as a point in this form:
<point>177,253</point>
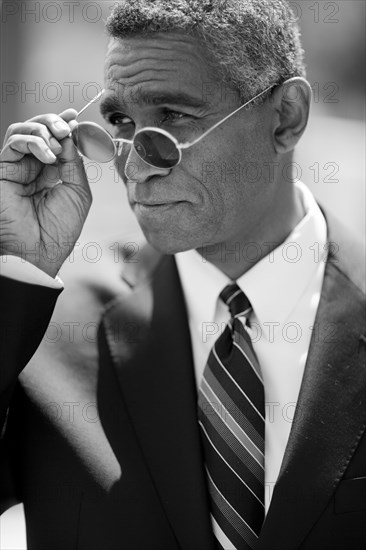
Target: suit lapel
<point>329,419</point>
<point>149,341</point>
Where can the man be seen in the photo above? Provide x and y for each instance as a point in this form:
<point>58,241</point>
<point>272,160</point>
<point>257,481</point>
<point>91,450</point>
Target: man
<point>177,432</point>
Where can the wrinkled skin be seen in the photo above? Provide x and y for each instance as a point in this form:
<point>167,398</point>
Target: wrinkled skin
<point>224,189</point>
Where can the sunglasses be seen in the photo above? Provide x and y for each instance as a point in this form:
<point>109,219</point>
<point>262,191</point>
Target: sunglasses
<point>155,146</point>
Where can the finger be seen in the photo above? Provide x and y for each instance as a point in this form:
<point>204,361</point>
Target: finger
<point>69,114</point>
<point>58,127</point>
<point>36,129</point>
<point>72,172</point>
<point>17,146</point>
<point>71,165</point>
<point>69,152</point>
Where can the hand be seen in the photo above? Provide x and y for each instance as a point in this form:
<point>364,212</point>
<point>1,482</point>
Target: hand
<point>45,194</point>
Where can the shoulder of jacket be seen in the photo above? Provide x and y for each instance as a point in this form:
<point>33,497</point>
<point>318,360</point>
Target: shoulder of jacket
<point>346,251</point>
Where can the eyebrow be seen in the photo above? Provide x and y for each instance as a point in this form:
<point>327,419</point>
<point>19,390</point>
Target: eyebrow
<point>112,104</point>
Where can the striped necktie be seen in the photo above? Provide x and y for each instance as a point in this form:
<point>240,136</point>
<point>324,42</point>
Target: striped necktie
<point>231,417</point>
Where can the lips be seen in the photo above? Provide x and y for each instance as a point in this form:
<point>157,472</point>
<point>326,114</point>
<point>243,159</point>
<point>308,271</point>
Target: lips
<point>154,193</point>
<point>165,203</point>
<point>146,204</point>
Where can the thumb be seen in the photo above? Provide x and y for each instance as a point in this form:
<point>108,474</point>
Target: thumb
<point>71,165</point>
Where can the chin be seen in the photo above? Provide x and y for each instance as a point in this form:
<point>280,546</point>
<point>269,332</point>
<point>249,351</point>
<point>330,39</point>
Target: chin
<point>168,243</point>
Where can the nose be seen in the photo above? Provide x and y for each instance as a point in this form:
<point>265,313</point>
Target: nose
<point>135,169</point>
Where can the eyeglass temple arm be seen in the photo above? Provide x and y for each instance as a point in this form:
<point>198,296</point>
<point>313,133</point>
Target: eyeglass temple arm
<point>90,102</point>
<point>186,145</point>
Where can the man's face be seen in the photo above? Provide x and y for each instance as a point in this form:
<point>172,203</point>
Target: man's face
<point>220,191</point>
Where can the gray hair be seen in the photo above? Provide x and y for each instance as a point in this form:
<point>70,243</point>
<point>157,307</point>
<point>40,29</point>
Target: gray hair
<point>252,44</point>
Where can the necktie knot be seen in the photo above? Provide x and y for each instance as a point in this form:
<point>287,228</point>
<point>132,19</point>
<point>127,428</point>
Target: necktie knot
<point>236,300</point>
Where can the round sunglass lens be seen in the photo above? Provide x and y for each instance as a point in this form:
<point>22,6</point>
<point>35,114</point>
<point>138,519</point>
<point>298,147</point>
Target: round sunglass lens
<point>156,149</point>
<point>93,141</point>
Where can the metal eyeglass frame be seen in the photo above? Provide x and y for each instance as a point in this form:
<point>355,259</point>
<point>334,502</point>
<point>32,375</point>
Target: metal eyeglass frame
<point>180,146</point>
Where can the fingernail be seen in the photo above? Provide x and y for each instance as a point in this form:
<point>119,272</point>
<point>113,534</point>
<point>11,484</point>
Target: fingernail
<point>55,145</point>
<point>59,125</point>
<point>50,155</point>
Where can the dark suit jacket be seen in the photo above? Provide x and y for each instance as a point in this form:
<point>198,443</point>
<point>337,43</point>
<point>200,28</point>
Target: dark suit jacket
<point>101,440</point>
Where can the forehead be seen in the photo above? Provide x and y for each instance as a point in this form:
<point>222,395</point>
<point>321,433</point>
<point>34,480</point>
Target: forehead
<point>162,62</point>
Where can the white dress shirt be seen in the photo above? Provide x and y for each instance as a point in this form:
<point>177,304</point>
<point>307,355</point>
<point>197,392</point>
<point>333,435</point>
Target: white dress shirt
<point>16,268</point>
<point>284,290</point>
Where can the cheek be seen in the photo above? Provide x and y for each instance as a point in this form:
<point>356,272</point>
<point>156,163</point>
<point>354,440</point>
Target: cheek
<point>231,173</point>
<point>217,171</point>
<point>202,174</point>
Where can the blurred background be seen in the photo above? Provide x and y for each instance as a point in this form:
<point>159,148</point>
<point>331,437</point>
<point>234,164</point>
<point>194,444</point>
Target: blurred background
<point>52,58</point>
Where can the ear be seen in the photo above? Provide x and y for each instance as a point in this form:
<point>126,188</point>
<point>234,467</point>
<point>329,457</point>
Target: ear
<point>291,101</point>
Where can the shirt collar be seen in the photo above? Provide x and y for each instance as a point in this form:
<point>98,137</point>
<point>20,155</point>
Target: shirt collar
<point>274,285</point>
<point>202,283</point>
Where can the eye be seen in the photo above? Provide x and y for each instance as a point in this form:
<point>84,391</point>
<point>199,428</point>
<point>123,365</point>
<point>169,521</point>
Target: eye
<point>173,116</point>
<point>119,119</point>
